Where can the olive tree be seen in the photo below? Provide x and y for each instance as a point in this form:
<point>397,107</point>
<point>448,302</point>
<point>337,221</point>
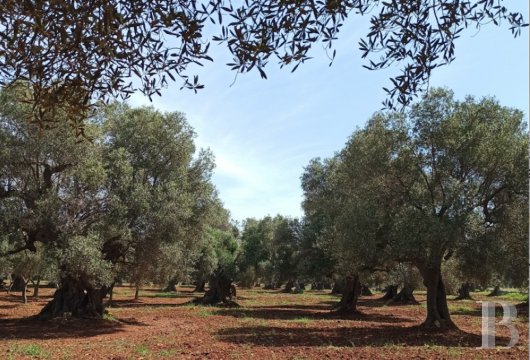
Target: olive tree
<point>434,174</point>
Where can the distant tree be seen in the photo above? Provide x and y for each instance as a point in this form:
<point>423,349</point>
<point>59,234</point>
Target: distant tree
<point>218,248</point>
<point>317,262</point>
<point>256,250</point>
<point>75,53</point>
<point>270,252</point>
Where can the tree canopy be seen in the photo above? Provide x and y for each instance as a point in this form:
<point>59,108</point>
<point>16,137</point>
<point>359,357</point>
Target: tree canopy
<point>137,200</point>
<point>445,180</point>
<point>75,54</point>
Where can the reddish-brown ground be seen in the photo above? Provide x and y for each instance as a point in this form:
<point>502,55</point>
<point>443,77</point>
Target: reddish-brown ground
<point>269,325</point>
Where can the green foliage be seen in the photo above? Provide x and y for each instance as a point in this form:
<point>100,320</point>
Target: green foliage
<point>161,192</point>
<point>82,63</point>
<point>269,250</point>
<point>82,259</point>
<point>136,202</point>
<point>444,181</point>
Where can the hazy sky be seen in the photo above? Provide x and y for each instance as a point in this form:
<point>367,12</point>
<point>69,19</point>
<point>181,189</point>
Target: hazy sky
<point>263,132</point>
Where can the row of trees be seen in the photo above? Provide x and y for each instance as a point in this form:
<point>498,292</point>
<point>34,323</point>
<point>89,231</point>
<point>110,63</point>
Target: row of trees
<point>445,182</point>
<point>438,191</point>
<point>135,203</point>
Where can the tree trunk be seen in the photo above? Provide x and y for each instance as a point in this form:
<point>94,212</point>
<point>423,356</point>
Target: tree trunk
<point>390,293</point>
<point>199,286</point>
<point>496,291</point>
<point>270,286</point>
<point>25,290</point>
<point>365,291</point>
<point>317,285</point>
<point>111,293</point>
<point>350,294</point>
<point>464,292</point>
<point>18,283</point>
<point>221,290</point>
<point>288,286</point>
<point>137,292</point>
<point>297,288</point>
<point>75,297</point>
<point>337,287</point>
<point>405,296</point>
<point>36,288</point>
<point>437,311</point>
<point>171,285</point>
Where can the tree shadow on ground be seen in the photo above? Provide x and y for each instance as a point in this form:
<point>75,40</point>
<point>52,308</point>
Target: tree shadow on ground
<point>378,302</point>
<point>348,336</point>
<point>29,328</point>
<point>323,306</point>
<point>12,298</point>
<point>286,313</point>
<point>138,304</point>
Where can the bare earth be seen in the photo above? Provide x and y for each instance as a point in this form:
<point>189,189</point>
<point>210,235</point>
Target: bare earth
<point>269,325</point>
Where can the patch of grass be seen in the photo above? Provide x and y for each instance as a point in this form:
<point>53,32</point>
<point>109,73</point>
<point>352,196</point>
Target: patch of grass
<point>302,320</point>
<point>168,295</point>
<point>454,352</point>
<point>109,316</point>
<point>515,296</point>
<point>32,350</point>
<point>204,312</point>
<point>142,350</point>
<point>168,353</point>
<point>462,309</point>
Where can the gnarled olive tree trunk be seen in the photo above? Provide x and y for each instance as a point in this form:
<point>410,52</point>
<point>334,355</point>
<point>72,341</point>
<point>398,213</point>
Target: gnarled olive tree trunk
<point>75,297</point>
<point>351,290</point>
<point>200,286</point>
<point>405,296</point>
<point>36,287</point>
<point>496,291</point>
<point>365,291</point>
<point>171,285</point>
<point>221,291</point>
<point>437,311</point>
<point>19,283</point>
<point>390,292</point>
<point>338,286</point>
<point>464,292</point>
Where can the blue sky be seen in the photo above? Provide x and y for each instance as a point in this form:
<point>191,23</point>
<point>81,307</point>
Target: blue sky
<point>263,132</point>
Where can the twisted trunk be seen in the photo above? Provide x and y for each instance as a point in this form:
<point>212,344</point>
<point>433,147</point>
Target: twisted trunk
<point>290,284</point>
<point>496,291</point>
<point>171,285</point>
<point>200,286</point>
<point>337,287</point>
<point>111,293</point>
<point>221,290</point>
<point>365,291</point>
<point>437,311</point>
<point>464,292</point>
<point>405,296</point>
<point>350,294</point>
<point>36,287</point>
<point>75,297</point>
<point>18,283</point>
<point>390,293</point>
